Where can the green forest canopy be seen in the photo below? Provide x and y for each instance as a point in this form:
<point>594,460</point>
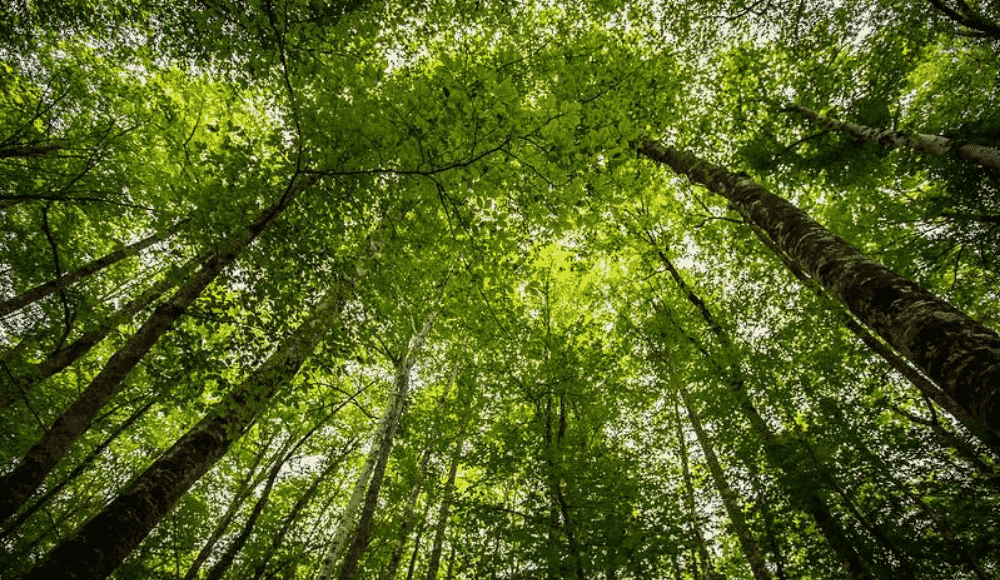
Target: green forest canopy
<point>303,289</point>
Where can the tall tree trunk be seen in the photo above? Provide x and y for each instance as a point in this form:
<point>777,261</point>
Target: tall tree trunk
<point>337,544</point>
<point>78,470</point>
<point>708,569</point>
<point>24,480</point>
<point>445,510</point>
<point>409,511</point>
<point>64,357</point>
<point>729,498</point>
<point>292,516</point>
<point>222,565</point>
<point>100,545</point>
<point>956,352</point>
<point>66,280</point>
<point>243,490</point>
<point>365,523</point>
<point>778,453</point>
<point>985,156</point>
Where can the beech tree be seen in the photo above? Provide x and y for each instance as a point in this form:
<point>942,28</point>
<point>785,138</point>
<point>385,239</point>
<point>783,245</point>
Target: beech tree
<point>473,289</point>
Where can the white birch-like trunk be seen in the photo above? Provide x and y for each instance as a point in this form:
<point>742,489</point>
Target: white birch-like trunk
<point>980,154</point>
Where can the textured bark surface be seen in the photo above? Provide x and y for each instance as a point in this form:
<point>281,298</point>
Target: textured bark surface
<point>22,483</point>
<point>67,280</point>
<point>101,544</point>
<point>367,520</point>
<point>956,352</point>
<point>985,156</point>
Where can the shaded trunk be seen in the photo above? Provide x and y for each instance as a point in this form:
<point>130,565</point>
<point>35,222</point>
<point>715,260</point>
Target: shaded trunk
<point>25,514</point>
<point>100,545</point>
<point>234,547</point>
<point>64,357</point>
<point>32,150</point>
<point>708,569</point>
<point>729,498</point>
<point>29,474</point>
<point>956,352</point>
<point>804,495</point>
<point>445,511</point>
<point>66,280</point>
<point>278,538</point>
<point>244,489</point>
<point>935,144</point>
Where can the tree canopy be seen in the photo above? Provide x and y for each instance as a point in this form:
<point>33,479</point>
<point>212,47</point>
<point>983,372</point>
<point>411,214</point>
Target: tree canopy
<point>512,290</point>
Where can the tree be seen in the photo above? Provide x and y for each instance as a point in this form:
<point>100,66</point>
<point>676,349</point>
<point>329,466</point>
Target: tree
<point>255,403</point>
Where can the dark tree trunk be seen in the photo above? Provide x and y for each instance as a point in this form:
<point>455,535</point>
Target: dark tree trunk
<point>100,545</point>
<point>956,352</point>
<point>43,456</point>
<point>66,280</point>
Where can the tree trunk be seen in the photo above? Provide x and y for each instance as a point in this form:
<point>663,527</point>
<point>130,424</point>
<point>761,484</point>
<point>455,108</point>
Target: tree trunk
<point>408,513</point>
<point>956,352</point>
<point>25,514</point>
<point>243,491</point>
<point>278,538</point>
<point>445,510</point>
<point>66,280</point>
<point>62,358</point>
<point>229,556</point>
<point>43,456</point>
<point>337,544</point>
<point>985,156</point>
<point>367,519</point>
<point>708,569</point>
<point>729,497</point>
<point>100,545</point>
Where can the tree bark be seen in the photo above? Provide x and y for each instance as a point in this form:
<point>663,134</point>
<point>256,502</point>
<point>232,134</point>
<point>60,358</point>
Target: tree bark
<point>935,144</point>
<point>956,352</point>
<point>243,491</point>
<point>445,510</point>
<point>229,556</point>
<point>66,280</point>
<point>100,545</point>
<point>64,357</point>
<point>24,480</point>
<point>708,569</point>
<point>365,523</point>
<point>25,514</point>
<point>300,504</point>
<point>729,498</point>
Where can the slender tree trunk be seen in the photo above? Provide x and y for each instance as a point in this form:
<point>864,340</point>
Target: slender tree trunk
<point>365,523</point>
<point>54,444</point>
<point>29,150</point>
<point>708,569</point>
<point>243,491</point>
<point>100,545</point>
<point>64,357</point>
<point>956,352</point>
<point>408,513</point>
<point>777,452</point>
<point>229,556</point>
<point>729,498</point>
<point>66,280</point>
<point>985,156</point>
<point>416,551</point>
<point>337,544</point>
<point>278,538</point>
<point>445,510</point>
